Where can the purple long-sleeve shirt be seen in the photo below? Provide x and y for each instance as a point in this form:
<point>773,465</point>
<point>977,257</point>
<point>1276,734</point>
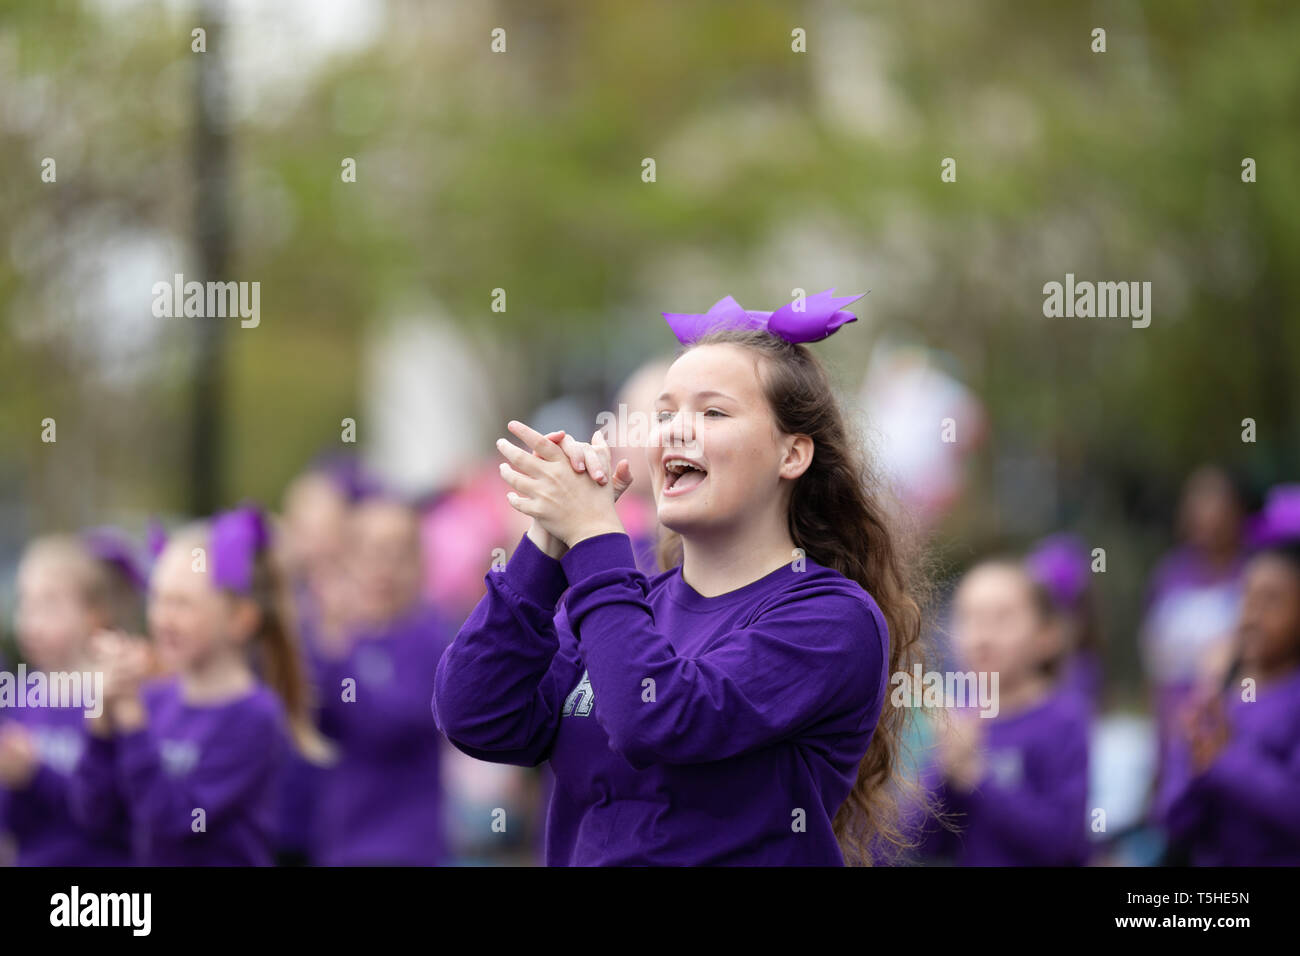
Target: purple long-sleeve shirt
<point>1244,809</point>
<point>40,815</point>
<point>1030,807</point>
<point>224,759</point>
<point>681,729</point>
<point>382,803</point>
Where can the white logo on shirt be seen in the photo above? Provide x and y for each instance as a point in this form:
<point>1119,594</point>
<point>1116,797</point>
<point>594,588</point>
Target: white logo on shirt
<point>59,749</point>
<point>580,699</point>
<point>179,756</point>
<point>374,666</point>
<point>1008,767</point>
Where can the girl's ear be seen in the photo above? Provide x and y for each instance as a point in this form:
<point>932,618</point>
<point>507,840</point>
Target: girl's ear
<point>798,457</point>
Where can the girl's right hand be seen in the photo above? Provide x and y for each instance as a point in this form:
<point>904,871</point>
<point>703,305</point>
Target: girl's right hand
<point>546,542</point>
<point>124,661</point>
<point>583,457</point>
<point>18,758</point>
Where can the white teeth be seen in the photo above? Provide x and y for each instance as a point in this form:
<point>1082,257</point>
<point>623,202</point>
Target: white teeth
<point>680,465</point>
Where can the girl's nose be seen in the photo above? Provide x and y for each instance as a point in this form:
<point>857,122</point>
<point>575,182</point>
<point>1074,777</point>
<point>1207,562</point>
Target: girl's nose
<point>681,428</point>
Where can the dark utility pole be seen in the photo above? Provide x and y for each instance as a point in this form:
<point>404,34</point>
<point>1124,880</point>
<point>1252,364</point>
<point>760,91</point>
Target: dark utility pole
<point>212,242</point>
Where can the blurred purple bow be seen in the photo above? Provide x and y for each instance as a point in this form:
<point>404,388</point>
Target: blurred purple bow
<point>113,547</point>
<point>236,538</point>
<point>1060,564</point>
<point>1279,521</point>
<point>155,538</point>
<point>348,475</point>
<point>821,315</point>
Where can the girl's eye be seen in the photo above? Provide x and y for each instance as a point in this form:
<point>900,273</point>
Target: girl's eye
<point>711,411</point>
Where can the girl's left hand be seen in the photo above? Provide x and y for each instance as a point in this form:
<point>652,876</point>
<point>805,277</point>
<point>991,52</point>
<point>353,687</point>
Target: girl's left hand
<point>961,751</point>
<point>124,661</point>
<point>568,504</point>
<point>1210,733</point>
<point>18,759</point>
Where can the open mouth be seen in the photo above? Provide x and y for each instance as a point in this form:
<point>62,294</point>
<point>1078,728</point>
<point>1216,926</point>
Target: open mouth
<point>682,475</point>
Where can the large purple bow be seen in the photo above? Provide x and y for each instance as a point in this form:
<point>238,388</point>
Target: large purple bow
<point>821,315</point>
<point>236,538</point>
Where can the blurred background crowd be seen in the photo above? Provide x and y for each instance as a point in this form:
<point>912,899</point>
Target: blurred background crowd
<point>503,253</point>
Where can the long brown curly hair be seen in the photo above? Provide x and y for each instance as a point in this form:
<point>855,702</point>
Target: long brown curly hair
<point>842,515</point>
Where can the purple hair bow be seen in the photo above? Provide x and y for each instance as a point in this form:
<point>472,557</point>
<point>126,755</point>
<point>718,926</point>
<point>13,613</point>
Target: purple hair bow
<point>821,315</point>
<point>236,538</point>
<point>155,538</point>
<point>352,479</point>
<point>113,547</point>
<point>1279,522</point>
<point>1060,564</point>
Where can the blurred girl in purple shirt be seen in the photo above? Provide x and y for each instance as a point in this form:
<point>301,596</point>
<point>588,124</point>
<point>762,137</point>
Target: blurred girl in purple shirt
<point>1238,802</point>
<point>195,757</point>
<point>1015,781</point>
<point>383,802</point>
<point>68,588</point>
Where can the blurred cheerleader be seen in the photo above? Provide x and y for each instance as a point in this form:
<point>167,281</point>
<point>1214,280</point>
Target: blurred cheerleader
<point>1060,565</point>
<point>1237,766</point>
<point>383,802</point>
<point>195,757</point>
<point>68,588</point>
<point>1015,783</point>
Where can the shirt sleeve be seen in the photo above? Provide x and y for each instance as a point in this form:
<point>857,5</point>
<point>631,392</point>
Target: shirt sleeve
<point>94,798</point>
<point>24,809</point>
<point>1250,782</point>
<point>1044,824</point>
<point>935,842</point>
<point>226,781</point>
<point>817,652</point>
<point>501,685</point>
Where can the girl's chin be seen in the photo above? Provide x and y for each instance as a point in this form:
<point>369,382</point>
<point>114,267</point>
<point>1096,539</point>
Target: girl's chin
<point>678,518</point>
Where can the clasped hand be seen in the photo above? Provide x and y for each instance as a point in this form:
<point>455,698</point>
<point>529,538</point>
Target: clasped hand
<point>549,485</point>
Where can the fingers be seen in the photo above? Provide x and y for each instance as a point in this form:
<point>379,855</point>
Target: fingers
<point>574,449</point>
<point>523,484</point>
<point>535,440</point>
<point>519,459</point>
<point>595,466</point>
<point>592,458</point>
<point>103,646</point>
<point>622,478</point>
<point>598,458</point>
<point>521,504</point>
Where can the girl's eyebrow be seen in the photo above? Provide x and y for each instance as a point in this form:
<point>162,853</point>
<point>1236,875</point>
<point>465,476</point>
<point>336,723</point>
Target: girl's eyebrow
<point>707,393</point>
